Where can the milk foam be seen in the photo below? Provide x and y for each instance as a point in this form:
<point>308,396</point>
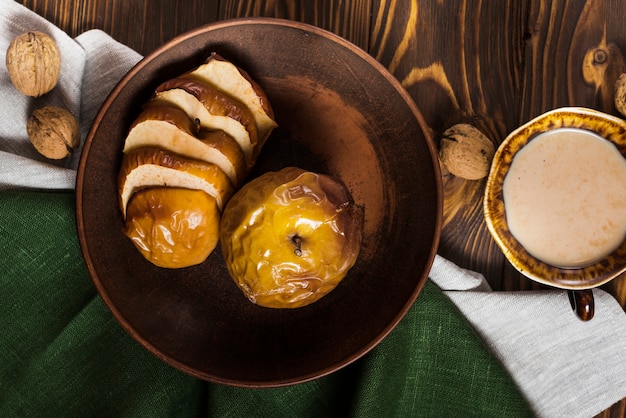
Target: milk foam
<point>565,197</point>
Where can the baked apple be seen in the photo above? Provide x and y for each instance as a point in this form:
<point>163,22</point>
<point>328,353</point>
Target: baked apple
<point>173,227</point>
<point>289,237</point>
<point>153,166</point>
<point>171,129</point>
<point>211,109</point>
<point>234,81</point>
<point>190,148</point>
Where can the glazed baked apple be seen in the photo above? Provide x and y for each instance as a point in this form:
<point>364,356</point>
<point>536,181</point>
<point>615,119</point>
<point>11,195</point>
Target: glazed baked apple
<point>289,237</point>
<point>189,149</point>
<point>173,227</point>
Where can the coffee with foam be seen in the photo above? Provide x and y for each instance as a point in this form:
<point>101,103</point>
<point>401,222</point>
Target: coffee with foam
<point>565,197</point>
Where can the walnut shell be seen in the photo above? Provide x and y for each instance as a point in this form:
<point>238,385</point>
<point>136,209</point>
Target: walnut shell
<point>466,152</point>
<point>53,131</point>
<point>620,94</point>
<point>34,63</point>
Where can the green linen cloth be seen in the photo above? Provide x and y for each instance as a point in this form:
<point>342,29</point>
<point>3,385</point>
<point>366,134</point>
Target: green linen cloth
<point>63,354</point>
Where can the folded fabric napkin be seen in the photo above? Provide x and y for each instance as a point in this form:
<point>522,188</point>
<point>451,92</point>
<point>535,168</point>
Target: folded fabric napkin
<point>62,353</point>
<point>564,366</point>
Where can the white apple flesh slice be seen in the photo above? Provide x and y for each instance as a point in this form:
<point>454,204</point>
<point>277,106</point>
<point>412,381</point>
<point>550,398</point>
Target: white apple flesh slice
<point>171,129</point>
<point>151,167</point>
<point>227,77</point>
<point>210,109</point>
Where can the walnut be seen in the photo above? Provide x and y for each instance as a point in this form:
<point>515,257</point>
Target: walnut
<point>34,63</point>
<point>466,152</point>
<point>620,94</point>
<point>53,131</point>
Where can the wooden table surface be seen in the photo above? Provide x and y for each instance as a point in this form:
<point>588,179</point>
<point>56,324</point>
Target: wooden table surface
<point>493,64</point>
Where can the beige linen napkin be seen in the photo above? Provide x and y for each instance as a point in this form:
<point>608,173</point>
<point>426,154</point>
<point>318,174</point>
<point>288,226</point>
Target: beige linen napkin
<point>91,65</point>
<point>564,367</point>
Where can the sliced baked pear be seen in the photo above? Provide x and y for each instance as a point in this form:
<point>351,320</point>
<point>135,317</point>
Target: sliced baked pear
<point>211,109</point>
<point>171,129</point>
<point>227,77</point>
<point>173,227</point>
<point>153,166</point>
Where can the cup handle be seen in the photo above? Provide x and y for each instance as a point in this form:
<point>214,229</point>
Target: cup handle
<point>582,303</point>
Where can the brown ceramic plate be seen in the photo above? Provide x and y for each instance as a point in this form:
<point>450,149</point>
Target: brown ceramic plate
<point>339,112</point>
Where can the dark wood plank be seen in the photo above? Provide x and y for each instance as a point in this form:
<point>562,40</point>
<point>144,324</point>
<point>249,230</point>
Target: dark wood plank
<point>497,65</point>
<point>348,19</point>
<point>143,25</point>
<point>460,61</point>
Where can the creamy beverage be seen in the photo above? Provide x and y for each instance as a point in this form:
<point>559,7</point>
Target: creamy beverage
<point>565,197</point>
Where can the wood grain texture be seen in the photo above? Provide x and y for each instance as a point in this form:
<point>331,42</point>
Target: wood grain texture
<point>348,19</point>
<point>496,65</point>
<point>493,64</point>
<point>143,25</point>
<point>437,50</point>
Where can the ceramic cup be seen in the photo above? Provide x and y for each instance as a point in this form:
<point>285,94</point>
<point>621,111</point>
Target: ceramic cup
<point>580,278</point>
